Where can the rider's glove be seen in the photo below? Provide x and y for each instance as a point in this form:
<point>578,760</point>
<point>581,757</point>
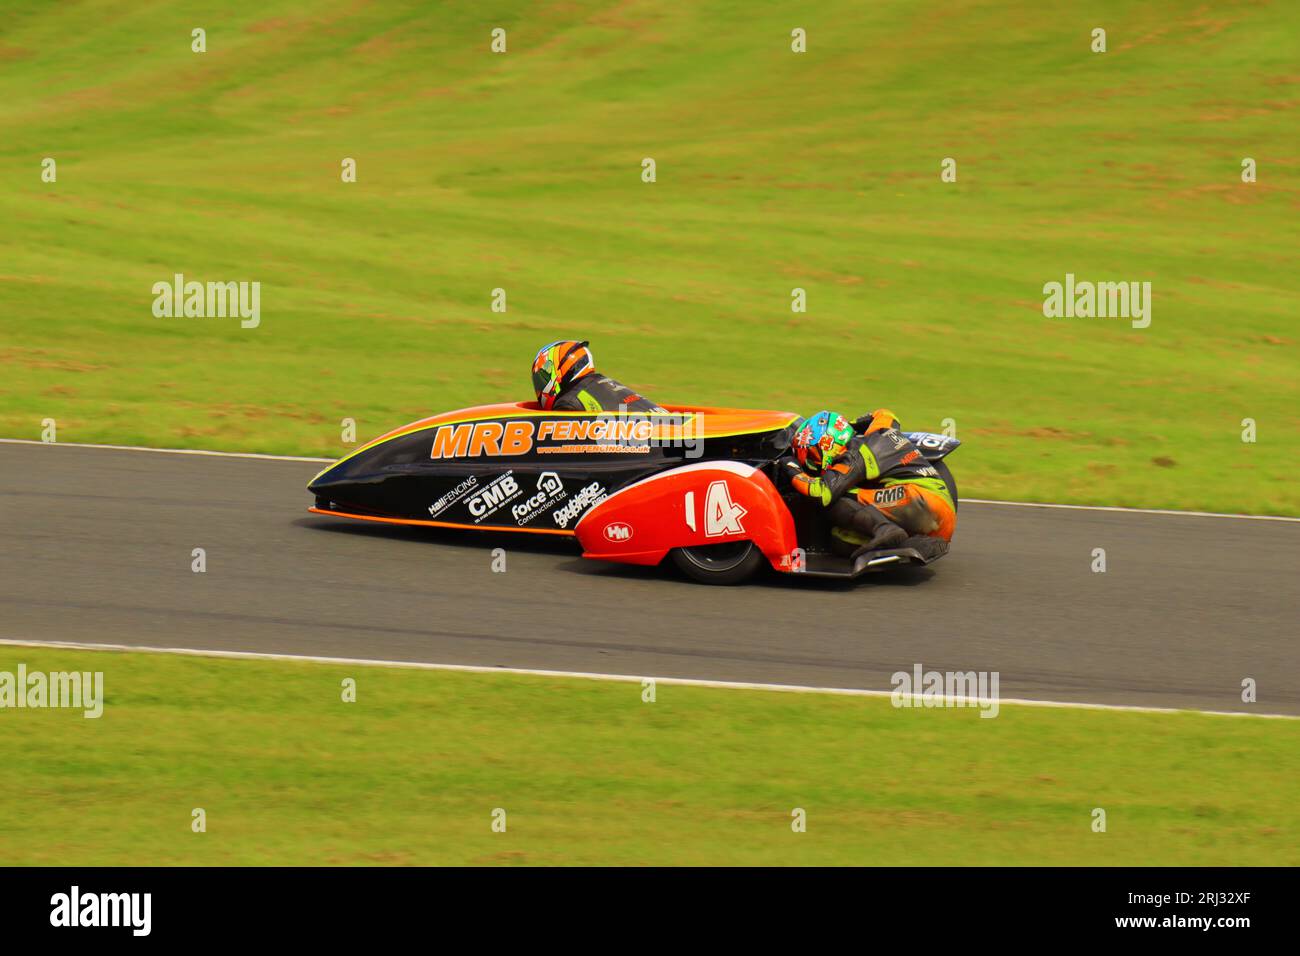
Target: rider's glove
<point>812,487</point>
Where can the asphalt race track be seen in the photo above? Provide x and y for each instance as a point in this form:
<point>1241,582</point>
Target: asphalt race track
<point>95,546</point>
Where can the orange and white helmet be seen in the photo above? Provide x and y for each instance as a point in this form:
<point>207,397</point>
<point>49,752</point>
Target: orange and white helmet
<point>557,366</point>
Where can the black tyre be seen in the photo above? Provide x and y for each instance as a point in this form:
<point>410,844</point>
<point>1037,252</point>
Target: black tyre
<point>728,563</point>
<point>946,474</point>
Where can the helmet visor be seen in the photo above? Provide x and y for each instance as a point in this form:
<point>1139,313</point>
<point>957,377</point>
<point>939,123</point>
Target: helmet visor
<point>544,371</point>
<point>543,378</point>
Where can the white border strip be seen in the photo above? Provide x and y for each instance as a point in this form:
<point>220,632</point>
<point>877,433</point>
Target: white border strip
<point>1138,511</point>
<point>974,501</point>
<point>583,675</point>
<point>165,451</point>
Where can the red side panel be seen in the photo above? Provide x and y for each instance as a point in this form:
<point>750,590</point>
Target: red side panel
<point>699,504</point>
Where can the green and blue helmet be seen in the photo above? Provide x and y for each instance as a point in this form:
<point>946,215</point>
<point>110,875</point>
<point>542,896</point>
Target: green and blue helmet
<point>821,438</point>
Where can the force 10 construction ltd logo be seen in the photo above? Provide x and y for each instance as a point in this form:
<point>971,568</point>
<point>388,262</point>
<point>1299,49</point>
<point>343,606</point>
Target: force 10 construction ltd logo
<point>549,490</point>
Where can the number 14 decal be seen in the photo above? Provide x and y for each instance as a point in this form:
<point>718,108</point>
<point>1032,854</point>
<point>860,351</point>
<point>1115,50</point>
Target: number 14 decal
<point>721,514</point>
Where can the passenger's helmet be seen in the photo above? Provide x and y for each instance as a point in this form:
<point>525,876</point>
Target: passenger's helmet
<point>557,366</point>
<point>821,438</point>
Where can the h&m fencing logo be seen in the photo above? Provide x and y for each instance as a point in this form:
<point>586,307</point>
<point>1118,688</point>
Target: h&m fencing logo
<point>133,910</point>
<point>618,532</point>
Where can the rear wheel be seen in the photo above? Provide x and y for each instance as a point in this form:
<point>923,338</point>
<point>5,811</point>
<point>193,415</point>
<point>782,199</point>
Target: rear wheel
<point>728,563</point>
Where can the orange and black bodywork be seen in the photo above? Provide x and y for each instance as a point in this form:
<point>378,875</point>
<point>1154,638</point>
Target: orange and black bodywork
<point>516,467</point>
<point>631,487</point>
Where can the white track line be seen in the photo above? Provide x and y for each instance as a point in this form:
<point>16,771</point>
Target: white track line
<point>165,451</point>
<point>582,675</point>
<point>974,501</point>
<point>1132,511</point>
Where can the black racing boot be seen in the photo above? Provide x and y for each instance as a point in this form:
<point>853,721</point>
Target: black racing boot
<point>927,547</point>
<point>879,531</point>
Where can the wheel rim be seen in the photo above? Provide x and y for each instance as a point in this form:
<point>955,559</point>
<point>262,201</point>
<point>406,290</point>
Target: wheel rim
<point>719,557</point>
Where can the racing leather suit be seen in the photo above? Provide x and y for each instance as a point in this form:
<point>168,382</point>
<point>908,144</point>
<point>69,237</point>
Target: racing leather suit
<point>905,488</point>
<point>599,393</point>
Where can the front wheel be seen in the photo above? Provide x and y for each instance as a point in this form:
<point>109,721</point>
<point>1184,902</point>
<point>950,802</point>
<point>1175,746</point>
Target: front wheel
<point>728,563</point>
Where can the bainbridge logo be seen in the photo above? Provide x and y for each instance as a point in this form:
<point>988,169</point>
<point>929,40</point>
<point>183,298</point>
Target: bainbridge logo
<point>210,300</point>
<point>134,910</point>
<point>76,690</point>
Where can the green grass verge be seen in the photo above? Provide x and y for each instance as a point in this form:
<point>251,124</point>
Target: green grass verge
<point>775,171</point>
<point>589,774</point>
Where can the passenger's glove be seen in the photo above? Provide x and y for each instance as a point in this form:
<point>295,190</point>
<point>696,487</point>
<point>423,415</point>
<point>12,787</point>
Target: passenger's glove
<point>812,487</point>
<point>881,418</point>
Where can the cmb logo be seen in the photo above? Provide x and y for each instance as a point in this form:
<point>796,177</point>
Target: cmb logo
<point>495,495</point>
<point>617,531</point>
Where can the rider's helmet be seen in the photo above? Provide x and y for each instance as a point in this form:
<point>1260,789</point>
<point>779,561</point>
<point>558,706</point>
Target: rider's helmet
<point>557,366</point>
<point>821,438</point>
